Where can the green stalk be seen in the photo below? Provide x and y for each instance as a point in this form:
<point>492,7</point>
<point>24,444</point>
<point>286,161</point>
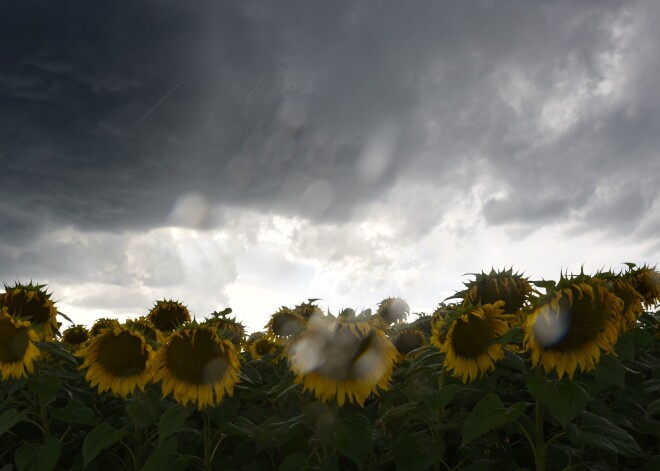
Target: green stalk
<point>208,452</point>
<point>539,452</point>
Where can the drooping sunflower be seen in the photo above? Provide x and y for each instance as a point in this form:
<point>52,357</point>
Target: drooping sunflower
<point>571,325</point>
<point>197,366</point>
<point>441,320</point>
<point>646,281</point>
<point>392,310</point>
<point>75,337</point>
<point>633,302</point>
<point>101,324</point>
<point>147,329</point>
<point>168,315</point>
<point>407,339</point>
<point>18,351</point>
<point>503,285</point>
<point>468,346</point>
<point>119,359</point>
<point>32,303</point>
<point>308,309</point>
<point>285,325</point>
<point>228,327</point>
<point>334,359</point>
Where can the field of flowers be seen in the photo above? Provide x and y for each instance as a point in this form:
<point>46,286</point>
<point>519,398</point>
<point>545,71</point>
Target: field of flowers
<point>508,373</point>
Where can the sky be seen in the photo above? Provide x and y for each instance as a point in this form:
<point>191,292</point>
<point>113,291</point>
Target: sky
<point>252,155</point>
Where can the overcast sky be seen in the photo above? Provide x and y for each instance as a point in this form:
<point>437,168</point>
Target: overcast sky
<point>253,154</point>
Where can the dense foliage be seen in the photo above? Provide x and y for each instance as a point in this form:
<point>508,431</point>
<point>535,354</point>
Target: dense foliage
<point>516,374</point>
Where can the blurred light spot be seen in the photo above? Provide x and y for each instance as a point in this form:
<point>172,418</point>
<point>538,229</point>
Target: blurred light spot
<point>376,155</point>
<point>549,330</point>
<point>318,196</point>
<point>292,113</point>
<point>190,210</point>
<point>214,370</point>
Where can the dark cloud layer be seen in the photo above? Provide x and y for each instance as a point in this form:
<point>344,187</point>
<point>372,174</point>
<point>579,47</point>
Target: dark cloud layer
<point>112,111</point>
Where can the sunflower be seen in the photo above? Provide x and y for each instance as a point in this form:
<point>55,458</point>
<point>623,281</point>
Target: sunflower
<point>469,346</point>
<point>511,288</point>
<point>440,322</point>
<point>18,351</point>
<point>392,310</point>
<point>261,345</point>
<point>308,309</point>
<point>147,329</point>
<point>633,302</point>
<point>168,315</point>
<point>407,339</point>
<point>571,325</point>
<point>337,360</point>
<point>197,366</point>
<point>33,304</point>
<point>75,336</point>
<point>100,324</point>
<point>119,360</point>
<point>285,325</point>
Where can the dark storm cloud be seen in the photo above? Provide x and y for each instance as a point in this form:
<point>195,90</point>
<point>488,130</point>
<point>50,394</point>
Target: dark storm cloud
<point>113,111</point>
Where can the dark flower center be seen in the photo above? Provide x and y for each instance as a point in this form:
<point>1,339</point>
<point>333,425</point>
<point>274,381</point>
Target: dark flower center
<point>470,339</point>
<point>201,360</point>
<point>407,341</point>
<point>13,341</point>
<point>122,355</point>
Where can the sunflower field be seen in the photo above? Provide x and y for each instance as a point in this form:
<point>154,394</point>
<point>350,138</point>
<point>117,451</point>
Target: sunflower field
<point>508,373</point>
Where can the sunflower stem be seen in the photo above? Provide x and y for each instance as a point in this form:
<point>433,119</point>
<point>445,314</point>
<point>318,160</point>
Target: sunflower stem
<point>539,452</point>
<point>208,452</point>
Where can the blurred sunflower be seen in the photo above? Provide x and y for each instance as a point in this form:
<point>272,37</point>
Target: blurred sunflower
<point>168,315</point>
<point>407,339</point>
<point>285,325</point>
<point>197,366</point>
<point>511,288</point>
<point>33,304</point>
<point>337,360</point>
<point>147,329</point>
<point>468,345</point>
<point>119,360</point>
<point>571,325</point>
<point>18,351</point>
<point>102,323</point>
<point>75,337</point>
<point>308,309</point>
<point>392,310</point>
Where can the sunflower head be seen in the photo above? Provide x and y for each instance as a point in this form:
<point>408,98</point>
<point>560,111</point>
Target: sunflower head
<point>32,303</point>
<point>620,286</point>
<point>646,280</point>
<point>285,325</point>
<point>261,345</point>
<point>228,327</point>
<point>504,285</point>
<point>18,351</point>
<point>392,310</point>
<point>308,309</point>
<point>75,336</point>
<point>119,360</point>
<point>102,323</point>
<point>441,320</point>
<point>339,360</point>
<point>406,339</point>
<point>197,366</point>
<point>468,347</point>
<point>571,324</point>
<point>424,323</point>
<point>147,329</point>
<point>168,315</point>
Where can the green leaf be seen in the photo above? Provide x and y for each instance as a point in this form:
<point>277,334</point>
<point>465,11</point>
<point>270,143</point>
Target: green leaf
<point>166,456</point>
<point>11,417</point>
<point>653,408</point>
<point>171,421</point>
<point>625,347</point>
<point>75,412</point>
<point>294,462</point>
<point>145,409</point>
<point>352,437</point>
<point>226,411</point>
<point>46,388</point>
<point>564,399</point>
<point>598,432</point>
<point>640,337</point>
<point>397,412</point>
<point>489,414</point>
<point>100,438</point>
<point>438,398</point>
<point>36,457</point>
<point>508,336</point>
<point>416,451</point>
<point>610,371</point>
